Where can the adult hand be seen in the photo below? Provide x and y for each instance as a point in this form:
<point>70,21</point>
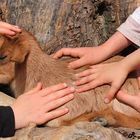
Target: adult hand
<point>37,105</point>
<point>8,29</point>
<point>112,73</point>
<point>86,55</point>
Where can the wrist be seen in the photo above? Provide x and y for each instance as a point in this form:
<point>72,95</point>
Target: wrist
<point>125,66</point>
<point>15,116</point>
<point>106,51</point>
<point>19,120</point>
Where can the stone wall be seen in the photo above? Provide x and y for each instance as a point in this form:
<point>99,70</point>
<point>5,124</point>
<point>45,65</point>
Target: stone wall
<point>67,23</point>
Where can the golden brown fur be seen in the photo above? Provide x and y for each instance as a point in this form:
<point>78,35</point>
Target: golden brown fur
<point>6,73</point>
<point>33,65</point>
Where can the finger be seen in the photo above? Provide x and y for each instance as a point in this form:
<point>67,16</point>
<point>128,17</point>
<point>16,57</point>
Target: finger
<point>6,31</point>
<point>96,66</point>
<point>35,89</point>
<point>65,51</point>
<point>123,97</point>
<point>15,29</point>
<point>59,94</point>
<point>113,90</point>
<point>59,102</point>
<point>56,113</point>
<point>88,86</point>
<point>85,80</point>
<point>53,89</point>
<point>85,73</point>
<point>78,63</point>
<point>10,27</point>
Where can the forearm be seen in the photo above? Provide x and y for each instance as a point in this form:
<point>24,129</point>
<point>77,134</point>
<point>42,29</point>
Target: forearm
<point>115,44</point>
<point>132,61</point>
<point>127,33</point>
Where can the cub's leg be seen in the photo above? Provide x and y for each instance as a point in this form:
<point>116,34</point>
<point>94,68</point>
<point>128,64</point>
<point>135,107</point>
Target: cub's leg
<point>110,118</point>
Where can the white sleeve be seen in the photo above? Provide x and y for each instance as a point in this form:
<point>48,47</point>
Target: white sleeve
<point>136,15</point>
<point>131,27</point>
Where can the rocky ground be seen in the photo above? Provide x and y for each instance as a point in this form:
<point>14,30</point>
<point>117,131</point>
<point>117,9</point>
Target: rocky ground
<point>78,131</point>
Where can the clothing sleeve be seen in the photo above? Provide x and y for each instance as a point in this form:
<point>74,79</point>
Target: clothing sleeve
<point>7,121</point>
<point>131,27</point>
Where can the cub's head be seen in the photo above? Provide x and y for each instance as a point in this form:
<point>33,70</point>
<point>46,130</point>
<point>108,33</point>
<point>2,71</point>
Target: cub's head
<point>13,48</point>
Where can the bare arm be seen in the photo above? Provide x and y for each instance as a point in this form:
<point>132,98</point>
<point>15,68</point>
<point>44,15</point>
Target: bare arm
<point>116,43</point>
<point>132,61</point>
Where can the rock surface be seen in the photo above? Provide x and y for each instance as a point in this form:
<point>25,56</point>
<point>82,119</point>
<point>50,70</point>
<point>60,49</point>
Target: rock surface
<point>68,23</point>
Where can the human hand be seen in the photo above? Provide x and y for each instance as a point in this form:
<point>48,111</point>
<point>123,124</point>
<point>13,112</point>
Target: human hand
<point>86,55</point>
<point>111,73</point>
<point>131,100</point>
<point>37,105</point>
<point>8,29</point>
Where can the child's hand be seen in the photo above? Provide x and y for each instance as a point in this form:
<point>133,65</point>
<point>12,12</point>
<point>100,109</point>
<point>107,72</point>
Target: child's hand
<point>8,29</point>
<point>112,73</point>
<point>37,105</point>
<point>86,55</point>
<point>131,100</point>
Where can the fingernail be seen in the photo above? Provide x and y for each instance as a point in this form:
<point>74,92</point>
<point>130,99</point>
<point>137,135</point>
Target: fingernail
<point>16,26</point>
<point>65,85</point>
<point>76,90</point>
<point>106,100</point>
<point>69,66</point>
<point>66,109</point>
<point>13,33</point>
<point>71,96</point>
<point>72,89</point>
<point>73,83</point>
<point>77,76</point>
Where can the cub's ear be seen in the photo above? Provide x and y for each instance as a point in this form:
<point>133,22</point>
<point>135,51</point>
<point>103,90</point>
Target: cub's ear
<point>1,40</point>
<point>13,37</point>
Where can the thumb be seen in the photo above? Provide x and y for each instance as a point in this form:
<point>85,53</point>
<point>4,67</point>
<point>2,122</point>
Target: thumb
<point>77,63</point>
<point>36,88</point>
<point>66,52</point>
<point>113,90</point>
<point>126,98</point>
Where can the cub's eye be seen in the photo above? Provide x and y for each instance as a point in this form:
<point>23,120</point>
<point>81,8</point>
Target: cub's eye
<point>2,57</point>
